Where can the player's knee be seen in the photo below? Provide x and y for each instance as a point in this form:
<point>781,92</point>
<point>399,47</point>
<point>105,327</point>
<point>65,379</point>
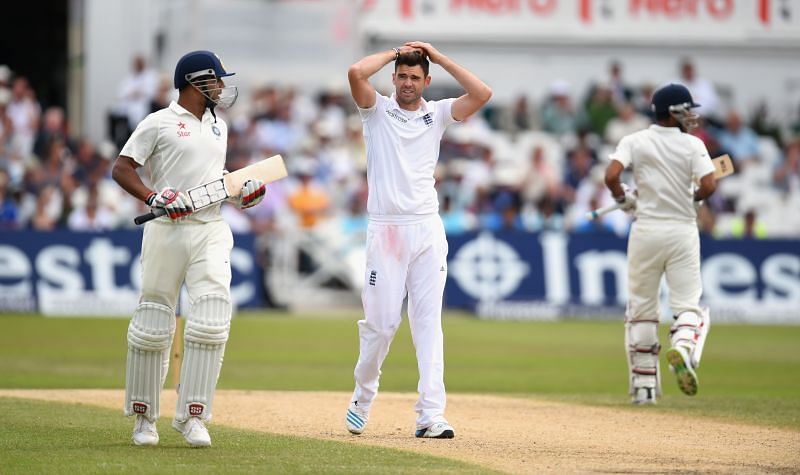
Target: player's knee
<point>380,329</point>
<point>151,327</point>
<point>208,321</point>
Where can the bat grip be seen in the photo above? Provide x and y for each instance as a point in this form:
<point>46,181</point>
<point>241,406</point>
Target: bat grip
<point>153,214</point>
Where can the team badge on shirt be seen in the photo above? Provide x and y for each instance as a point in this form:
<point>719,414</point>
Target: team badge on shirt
<point>428,119</point>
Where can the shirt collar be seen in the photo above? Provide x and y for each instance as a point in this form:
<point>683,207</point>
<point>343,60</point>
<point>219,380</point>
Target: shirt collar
<point>423,107</point>
<point>664,130</point>
<point>180,110</point>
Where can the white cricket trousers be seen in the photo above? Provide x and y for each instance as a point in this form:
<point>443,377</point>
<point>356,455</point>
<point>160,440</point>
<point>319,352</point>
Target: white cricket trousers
<point>404,259</point>
<point>194,252</point>
<point>663,249</point>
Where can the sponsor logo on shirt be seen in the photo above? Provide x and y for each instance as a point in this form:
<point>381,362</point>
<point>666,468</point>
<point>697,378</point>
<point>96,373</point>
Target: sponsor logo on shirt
<point>216,131</point>
<point>182,132</point>
<point>394,115</point>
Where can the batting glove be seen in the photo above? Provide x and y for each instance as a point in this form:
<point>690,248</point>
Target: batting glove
<point>627,202</point>
<point>176,204</point>
<point>253,192</point>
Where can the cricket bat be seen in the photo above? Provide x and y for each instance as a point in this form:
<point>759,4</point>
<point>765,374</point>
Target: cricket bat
<point>202,196</point>
<point>723,166</point>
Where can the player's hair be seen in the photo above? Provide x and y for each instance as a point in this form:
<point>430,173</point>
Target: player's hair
<point>413,58</point>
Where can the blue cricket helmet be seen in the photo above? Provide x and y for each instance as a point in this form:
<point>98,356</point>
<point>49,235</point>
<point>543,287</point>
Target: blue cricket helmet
<point>672,95</point>
<point>197,64</point>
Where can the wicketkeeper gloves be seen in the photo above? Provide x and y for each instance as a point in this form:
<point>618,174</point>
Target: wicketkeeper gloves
<point>176,204</point>
<point>253,192</point>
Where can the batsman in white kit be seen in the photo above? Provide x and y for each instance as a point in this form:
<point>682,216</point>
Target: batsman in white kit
<point>181,146</point>
<point>673,174</point>
<point>406,244</point>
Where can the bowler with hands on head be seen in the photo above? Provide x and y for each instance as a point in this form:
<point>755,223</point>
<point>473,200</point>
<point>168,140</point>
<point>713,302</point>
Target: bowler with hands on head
<point>406,244</point>
<point>182,146</point>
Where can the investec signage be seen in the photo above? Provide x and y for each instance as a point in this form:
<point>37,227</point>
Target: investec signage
<point>520,275</point>
<point>736,22</point>
<point>67,273</point>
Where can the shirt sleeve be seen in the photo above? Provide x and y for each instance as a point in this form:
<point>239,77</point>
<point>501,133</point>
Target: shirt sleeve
<point>367,113</point>
<point>444,112</point>
<point>624,153</point>
<point>142,142</point>
<point>701,161</point>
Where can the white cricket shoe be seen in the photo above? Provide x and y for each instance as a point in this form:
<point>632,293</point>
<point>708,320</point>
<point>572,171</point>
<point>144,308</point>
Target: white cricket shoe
<point>144,432</point>
<point>644,396</point>
<point>681,365</point>
<point>356,418</point>
<point>194,431</point>
<point>439,430</point>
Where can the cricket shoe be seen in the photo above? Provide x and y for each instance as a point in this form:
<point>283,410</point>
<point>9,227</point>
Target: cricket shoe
<point>439,430</point>
<point>144,432</point>
<point>644,396</point>
<point>356,418</point>
<point>194,431</point>
<point>681,365</point>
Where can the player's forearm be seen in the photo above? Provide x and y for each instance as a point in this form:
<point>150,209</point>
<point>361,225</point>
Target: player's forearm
<point>612,179</point>
<point>708,185</point>
<point>370,65</point>
<point>124,173</point>
<point>471,84</point>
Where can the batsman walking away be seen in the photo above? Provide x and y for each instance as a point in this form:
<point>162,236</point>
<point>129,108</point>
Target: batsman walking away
<point>664,241</point>
<point>181,146</point>
<point>406,244</point>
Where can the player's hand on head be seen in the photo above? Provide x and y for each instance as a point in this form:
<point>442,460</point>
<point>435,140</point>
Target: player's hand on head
<point>627,201</point>
<point>433,54</point>
<point>176,203</point>
<point>253,191</point>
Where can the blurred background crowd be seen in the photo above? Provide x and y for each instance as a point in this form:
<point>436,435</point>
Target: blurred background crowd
<point>533,164</point>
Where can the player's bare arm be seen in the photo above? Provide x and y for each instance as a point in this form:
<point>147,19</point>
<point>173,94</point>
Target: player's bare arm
<point>124,173</point>
<point>477,92</point>
<point>359,73</point>
<point>708,185</point>
<point>613,183</point>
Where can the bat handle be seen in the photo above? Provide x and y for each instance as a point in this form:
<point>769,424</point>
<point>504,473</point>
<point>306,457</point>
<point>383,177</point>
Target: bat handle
<point>594,214</point>
<point>153,214</point>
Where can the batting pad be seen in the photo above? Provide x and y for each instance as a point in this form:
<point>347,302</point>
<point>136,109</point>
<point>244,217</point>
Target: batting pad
<point>641,344</point>
<point>206,333</point>
<point>149,339</point>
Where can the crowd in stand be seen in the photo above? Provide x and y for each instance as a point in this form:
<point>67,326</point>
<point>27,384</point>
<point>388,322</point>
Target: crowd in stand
<point>532,165</point>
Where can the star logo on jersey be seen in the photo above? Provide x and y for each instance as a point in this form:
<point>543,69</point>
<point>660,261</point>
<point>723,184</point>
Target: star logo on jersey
<point>182,132</point>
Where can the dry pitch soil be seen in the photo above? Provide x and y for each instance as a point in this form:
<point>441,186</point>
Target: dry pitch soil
<point>502,433</point>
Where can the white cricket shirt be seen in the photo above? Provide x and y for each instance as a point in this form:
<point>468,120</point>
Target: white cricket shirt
<point>402,150</point>
<point>665,162</point>
<point>180,152</point>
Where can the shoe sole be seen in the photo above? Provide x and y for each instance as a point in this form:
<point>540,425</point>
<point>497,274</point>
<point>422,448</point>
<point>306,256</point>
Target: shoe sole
<point>447,434</point>
<point>687,379</point>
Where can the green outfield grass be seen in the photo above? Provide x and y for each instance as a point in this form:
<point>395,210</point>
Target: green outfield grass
<point>749,374</point>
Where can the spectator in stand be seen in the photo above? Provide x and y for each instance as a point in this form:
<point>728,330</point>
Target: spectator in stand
<point>620,91</point>
<point>787,175</point>
<point>540,180</point>
<point>136,92</point>
<point>47,211</point>
<point>558,116</point>
<point>92,216</point>
<point>627,122</point>
<point>24,112</point>
<point>702,90</point>
<point>642,101</point>
<point>54,127</point>
<point>9,212</point>
<point>738,139</point>
<point>579,165</point>
<point>600,109</point>
<point>523,116</point>
<point>310,202</point>
<point>6,128</point>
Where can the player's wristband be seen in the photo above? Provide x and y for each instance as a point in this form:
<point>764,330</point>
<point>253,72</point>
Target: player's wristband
<point>149,200</point>
<point>396,53</point>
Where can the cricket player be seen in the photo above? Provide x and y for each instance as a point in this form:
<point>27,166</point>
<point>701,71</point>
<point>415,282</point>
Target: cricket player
<point>406,245</point>
<point>182,146</point>
<point>664,240</point>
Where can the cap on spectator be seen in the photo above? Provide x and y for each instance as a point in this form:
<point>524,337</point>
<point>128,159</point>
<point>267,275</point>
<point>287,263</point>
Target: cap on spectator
<point>559,88</point>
